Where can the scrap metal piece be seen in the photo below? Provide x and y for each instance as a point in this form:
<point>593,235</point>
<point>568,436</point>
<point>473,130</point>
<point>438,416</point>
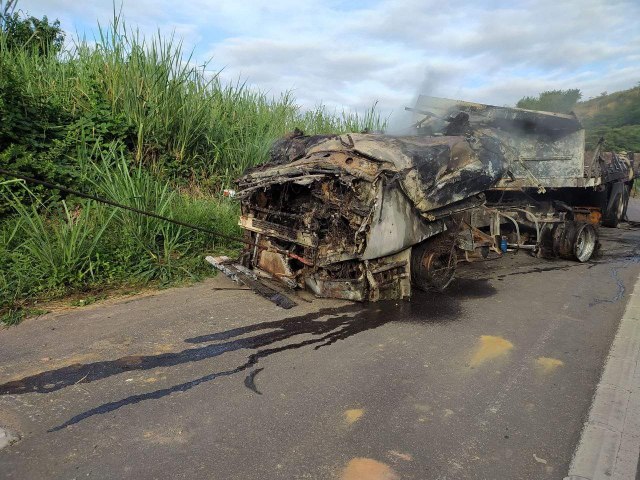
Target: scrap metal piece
<point>239,274</point>
<point>221,263</point>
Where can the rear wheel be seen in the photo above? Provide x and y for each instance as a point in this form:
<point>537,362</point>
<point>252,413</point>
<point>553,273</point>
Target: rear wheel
<point>585,243</point>
<point>575,240</point>
<point>616,207</point>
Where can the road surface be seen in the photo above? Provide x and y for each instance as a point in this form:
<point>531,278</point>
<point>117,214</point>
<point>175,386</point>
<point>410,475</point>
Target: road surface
<point>492,379</point>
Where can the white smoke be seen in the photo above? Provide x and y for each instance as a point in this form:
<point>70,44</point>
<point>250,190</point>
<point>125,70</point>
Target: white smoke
<point>436,82</point>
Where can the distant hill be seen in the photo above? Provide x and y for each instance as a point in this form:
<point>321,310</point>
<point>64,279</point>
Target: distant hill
<point>615,116</point>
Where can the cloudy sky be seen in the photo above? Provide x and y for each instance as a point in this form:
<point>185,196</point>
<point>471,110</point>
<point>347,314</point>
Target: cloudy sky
<point>348,54</point>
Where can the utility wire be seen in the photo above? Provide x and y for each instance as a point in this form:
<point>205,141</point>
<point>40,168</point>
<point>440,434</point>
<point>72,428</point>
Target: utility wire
<point>53,186</point>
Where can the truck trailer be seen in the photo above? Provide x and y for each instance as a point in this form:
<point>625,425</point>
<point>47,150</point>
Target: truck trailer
<point>370,216</point>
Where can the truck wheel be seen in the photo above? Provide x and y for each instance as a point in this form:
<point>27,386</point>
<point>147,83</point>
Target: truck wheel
<point>616,206</point>
<point>432,266</point>
<point>574,240</point>
<point>586,242</point>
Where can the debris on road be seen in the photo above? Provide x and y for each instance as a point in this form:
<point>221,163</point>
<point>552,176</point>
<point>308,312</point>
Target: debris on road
<point>7,437</point>
<point>539,460</point>
<point>240,274</point>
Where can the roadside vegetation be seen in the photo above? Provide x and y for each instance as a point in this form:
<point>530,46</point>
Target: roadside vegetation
<point>614,117</point>
<point>132,119</point>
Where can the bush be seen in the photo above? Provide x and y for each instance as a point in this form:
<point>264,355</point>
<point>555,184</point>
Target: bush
<point>620,139</point>
<point>48,249</point>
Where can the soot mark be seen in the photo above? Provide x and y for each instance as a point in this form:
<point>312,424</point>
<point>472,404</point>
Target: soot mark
<point>324,327</point>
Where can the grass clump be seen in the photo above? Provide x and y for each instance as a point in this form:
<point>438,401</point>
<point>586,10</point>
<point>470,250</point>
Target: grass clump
<point>49,249</point>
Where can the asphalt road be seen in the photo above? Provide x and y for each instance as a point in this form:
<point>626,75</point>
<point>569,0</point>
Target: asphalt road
<point>491,380</point>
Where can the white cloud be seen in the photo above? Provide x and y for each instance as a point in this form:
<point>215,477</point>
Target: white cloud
<point>348,55</point>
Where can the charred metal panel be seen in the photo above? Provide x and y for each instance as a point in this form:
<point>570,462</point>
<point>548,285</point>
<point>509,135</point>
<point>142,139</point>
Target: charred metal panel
<point>542,160</point>
<point>390,277</point>
<point>279,231</point>
<point>344,289</point>
<point>396,226</point>
<point>468,167</point>
<point>432,171</point>
<point>543,149</point>
<point>440,110</point>
<point>615,166</point>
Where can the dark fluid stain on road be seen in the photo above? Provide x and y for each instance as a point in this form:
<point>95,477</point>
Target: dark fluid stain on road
<point>320,329</point>
<point>624,241</point>
<point>619,293</point>
<point>465,288</point>
<point>250,381</point>
<point>538,270</point>
<point>626,258</point>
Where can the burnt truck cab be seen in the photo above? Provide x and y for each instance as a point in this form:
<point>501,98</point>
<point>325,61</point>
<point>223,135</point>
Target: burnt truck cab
<point>366,216</point>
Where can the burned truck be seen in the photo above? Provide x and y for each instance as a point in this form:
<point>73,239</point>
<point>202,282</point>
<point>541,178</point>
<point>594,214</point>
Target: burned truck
<point>371,216</point>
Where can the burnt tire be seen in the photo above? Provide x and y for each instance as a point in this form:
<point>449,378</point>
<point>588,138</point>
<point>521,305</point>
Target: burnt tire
<point>616,207</point>
<point>433,266</point>
<point>575,241</point>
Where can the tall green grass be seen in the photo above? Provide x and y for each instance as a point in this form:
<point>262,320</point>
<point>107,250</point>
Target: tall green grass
<point>48,249</point>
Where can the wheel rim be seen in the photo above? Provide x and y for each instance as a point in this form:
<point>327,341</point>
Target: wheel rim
<point>585,243</point>
<point>438,270</point>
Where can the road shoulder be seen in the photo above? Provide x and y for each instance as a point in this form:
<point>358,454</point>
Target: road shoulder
<point>609,446</point>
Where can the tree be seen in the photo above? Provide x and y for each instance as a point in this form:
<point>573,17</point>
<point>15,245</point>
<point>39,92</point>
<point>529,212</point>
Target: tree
<point>559,101</point>
<point>29,32</point>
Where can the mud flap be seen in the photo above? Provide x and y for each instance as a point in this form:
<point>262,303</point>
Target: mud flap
<point>239,274</point>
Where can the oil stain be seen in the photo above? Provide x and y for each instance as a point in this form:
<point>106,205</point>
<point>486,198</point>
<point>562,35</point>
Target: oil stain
<point>547,364</point>
<point>629,258</point>
<point>324,327</point>
<point>250,381</point>
<point>54,365</point>
<point>352,415</point>
<point>562,268</point>
<point>362,468</point>
<point>490,347</point>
